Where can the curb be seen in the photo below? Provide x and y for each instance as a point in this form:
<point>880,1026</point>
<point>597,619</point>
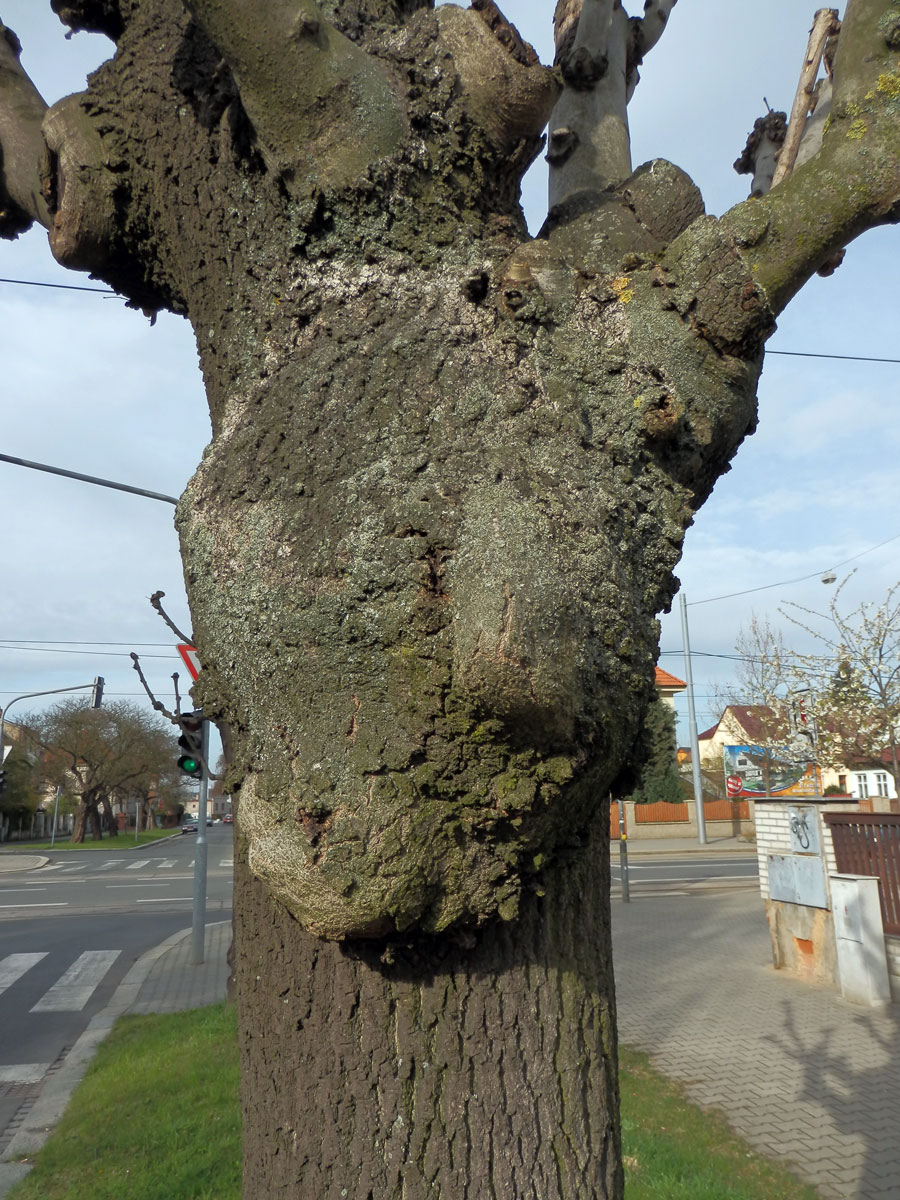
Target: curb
<point>11,864</point>
<point>57,1092</point>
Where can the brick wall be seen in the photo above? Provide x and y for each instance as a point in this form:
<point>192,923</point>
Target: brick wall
<point>773,834</point>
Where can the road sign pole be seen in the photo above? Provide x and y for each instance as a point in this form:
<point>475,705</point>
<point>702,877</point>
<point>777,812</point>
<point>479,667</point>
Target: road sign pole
<point>198,930</point>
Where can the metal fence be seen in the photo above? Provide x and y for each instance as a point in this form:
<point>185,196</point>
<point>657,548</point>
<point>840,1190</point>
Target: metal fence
<point>869,844</point>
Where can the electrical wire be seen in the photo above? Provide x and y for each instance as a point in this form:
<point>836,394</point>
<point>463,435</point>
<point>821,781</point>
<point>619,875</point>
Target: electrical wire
<point>64,287</point>
<point>92,653</point>
<point>800,578</point>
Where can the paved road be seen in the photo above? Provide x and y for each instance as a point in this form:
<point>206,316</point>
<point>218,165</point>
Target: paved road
<point>120,878</point>
<point>675,876</point>
<point>70,932</point>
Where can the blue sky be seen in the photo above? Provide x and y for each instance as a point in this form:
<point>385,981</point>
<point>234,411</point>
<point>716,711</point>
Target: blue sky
<point>91,386</point>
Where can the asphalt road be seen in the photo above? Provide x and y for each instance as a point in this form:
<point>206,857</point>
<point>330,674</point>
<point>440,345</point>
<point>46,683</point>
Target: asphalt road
<point>71,931</point>
<point>121,878</point>
<point>663,875</point>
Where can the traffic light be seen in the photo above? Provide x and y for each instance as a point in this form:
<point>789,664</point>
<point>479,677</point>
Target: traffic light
<point>2,781</point>
<point>191,742</point>
<point>97,692</point>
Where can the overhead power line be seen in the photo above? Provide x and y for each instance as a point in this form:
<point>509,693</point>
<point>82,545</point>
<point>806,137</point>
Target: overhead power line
<point>90,653</point>
<point>764,587</point>
<point>845,357</point>
<point>65,287</point>
<point>77,642</point>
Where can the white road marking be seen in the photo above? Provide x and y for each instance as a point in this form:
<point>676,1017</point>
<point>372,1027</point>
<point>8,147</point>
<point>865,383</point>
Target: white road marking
<point>135,866</point>
<point>110,863</point>
<point>165,899</point>
<point>43,904</point>
<point>166,862</point>
<point>26,888</point>
<point>227,862</point>
<point>152,883</point>
<point>14,966</point>
<point>75,987</point>
<point>24,1072</point>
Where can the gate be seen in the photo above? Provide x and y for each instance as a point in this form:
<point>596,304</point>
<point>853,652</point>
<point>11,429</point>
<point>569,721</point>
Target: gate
<point>869,844</point>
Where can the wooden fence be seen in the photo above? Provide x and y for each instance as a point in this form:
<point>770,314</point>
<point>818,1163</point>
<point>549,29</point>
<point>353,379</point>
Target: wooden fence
<point>869,844</point>
<point>662,813</point>
<point>713,810</point>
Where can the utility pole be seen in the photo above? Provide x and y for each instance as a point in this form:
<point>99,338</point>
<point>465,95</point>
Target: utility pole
<point>692,718</point>
<point>198,927</point>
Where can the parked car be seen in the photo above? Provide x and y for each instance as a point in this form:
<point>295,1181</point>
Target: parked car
<point>228,819</point>
<point>190,825</point>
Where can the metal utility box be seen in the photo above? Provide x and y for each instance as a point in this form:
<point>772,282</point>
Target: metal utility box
<point>859,939</point>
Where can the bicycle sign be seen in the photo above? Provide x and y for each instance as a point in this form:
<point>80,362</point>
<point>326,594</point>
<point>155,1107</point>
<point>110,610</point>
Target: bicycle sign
<point>804,828</point>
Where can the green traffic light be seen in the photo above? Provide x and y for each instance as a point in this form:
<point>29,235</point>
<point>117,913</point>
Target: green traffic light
<point>190,765</point>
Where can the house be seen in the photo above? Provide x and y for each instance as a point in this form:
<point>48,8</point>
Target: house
<point>668,686</point>
<point>755,734</point>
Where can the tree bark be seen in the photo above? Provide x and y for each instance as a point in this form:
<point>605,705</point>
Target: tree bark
<point>482,1065</point>
<point>450,474</point>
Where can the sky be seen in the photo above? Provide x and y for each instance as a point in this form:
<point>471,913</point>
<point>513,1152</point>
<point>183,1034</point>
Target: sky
<point>90,386</point>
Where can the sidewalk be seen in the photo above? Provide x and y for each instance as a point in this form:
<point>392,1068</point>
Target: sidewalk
<point>798,1072</point>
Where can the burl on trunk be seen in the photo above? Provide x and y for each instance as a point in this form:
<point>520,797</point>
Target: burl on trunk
<point>450,474</point>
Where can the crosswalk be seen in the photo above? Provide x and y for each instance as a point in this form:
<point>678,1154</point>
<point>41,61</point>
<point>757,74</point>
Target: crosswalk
<point>114,864</point>
<point>66,988</point>
<point>74,987</point>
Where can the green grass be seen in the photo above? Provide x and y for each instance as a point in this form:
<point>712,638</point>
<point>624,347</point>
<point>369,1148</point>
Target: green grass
<point>157,1118</point>
<point>122,842</point>
<point>674,1150</point>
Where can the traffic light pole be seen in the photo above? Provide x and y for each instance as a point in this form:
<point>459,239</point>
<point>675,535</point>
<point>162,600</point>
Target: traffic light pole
<point>96,692</point>
<point>198,928</point>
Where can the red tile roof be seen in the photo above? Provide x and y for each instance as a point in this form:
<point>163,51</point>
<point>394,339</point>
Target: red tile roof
<point>665,680</point>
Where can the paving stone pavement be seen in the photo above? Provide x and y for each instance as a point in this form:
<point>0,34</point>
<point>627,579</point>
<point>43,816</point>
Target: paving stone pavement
<point>802,1075</point>
<point>173,982</point>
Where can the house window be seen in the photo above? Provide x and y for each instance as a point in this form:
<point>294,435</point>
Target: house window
<point>862,786</point>
<point>881,782</point>
<point>842,783</point>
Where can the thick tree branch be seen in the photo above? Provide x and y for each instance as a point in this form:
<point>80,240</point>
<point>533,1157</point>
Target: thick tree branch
<point>322,108</point>
<point>501,84</point>
<point>650,28</point>
<point>853,183</point>
<point>589,147</point>
<point>23,155</point>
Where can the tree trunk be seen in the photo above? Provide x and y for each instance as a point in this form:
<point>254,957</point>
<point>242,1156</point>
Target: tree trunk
<point>87,815</point>
<point>450,1069</point>
<point>110,822</point>
<point>450,474</point>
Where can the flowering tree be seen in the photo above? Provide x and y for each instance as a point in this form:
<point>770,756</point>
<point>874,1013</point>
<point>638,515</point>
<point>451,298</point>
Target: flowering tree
<point>855,680</point>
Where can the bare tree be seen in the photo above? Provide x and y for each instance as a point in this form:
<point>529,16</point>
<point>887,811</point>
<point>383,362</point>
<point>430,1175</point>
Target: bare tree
<point>100,753</point>
<point>451,470</point>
